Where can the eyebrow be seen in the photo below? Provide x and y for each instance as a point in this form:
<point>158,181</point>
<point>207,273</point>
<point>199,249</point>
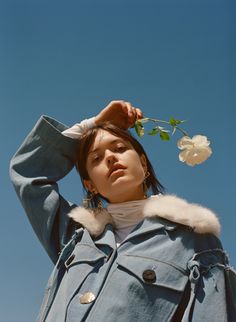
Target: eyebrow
<point>112,142</point>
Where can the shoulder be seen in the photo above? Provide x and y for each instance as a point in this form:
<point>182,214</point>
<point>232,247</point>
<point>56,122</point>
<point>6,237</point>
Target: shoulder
<point>200,219</point>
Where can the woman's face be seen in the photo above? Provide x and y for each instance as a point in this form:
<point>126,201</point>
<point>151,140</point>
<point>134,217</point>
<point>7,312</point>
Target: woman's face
<point>115,169</point>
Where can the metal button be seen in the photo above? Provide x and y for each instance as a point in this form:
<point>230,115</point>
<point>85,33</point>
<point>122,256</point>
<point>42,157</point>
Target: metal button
<point>87,298</point>
<point>149,276</point>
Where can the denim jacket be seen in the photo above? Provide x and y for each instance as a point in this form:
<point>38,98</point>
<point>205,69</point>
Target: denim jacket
<point>171,267</point>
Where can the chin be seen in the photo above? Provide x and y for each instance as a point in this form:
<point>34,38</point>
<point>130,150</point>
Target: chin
<point>121,180</point>
<point>123,184</point>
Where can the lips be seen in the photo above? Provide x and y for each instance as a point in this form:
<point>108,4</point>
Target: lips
<point>115,167</point>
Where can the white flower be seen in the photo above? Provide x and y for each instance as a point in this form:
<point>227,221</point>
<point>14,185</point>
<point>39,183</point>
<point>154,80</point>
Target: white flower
<point>195,150</point>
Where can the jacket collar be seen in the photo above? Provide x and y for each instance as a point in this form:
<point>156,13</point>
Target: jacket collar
<point>202,220</point>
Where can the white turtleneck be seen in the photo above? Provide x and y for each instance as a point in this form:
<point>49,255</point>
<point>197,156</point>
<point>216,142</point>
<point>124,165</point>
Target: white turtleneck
<point>126,216</point>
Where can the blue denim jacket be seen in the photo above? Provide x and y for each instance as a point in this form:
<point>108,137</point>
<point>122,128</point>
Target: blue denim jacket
<point>162,271</point>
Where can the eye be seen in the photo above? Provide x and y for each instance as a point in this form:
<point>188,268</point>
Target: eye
<point>120,148</point>
<point>96,158</point>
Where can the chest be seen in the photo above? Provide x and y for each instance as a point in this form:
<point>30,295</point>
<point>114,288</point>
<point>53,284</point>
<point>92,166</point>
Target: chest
<point>97,278</point>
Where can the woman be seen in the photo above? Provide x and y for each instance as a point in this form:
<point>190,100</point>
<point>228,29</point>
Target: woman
<point>143,258</point>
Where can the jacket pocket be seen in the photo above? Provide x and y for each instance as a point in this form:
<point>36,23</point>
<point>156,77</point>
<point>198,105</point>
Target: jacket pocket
<point>154,272</point>
<point>150,288</point>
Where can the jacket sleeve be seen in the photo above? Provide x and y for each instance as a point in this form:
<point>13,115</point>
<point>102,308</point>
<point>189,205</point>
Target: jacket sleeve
<point>210,297</point>
<point>45,157</point>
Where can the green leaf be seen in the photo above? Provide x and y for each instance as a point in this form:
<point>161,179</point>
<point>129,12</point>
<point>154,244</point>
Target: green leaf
<point>164,136</point>
<point>174,122</point>
<point>153,131</point>
<point>162,129</point>
<point>139,128</point>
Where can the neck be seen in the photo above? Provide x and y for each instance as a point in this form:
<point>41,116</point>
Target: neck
<point>126,214</point>
<point>128,196</point>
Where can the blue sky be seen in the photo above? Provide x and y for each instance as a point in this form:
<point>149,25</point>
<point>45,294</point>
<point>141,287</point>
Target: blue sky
<point>69,59</point>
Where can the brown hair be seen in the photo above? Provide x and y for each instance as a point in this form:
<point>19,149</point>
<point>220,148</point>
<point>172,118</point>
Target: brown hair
<point>85,143</point>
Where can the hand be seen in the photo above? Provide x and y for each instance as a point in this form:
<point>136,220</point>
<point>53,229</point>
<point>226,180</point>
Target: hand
<point>119,113</point>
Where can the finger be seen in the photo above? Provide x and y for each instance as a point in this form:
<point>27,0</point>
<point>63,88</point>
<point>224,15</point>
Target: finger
<point>117,102</point>
<point>124,107</point>
<point>117,105</point>
<point>139,113</point>
<point>131,109</point>
<point>131,113</point>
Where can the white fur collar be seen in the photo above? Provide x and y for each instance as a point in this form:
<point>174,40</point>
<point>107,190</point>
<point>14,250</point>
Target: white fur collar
<point>202,220</point>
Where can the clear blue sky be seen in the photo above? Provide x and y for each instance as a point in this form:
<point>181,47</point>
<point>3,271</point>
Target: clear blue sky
<point>67,59</point>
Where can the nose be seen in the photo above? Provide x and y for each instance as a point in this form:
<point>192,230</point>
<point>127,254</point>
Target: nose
<point>110,158</point>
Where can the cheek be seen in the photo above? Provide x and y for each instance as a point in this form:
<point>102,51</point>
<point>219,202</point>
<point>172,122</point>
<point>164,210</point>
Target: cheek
<point>97,174</point>
<point>139,172</point>
<point>99,180</point>
<point>136,167</point>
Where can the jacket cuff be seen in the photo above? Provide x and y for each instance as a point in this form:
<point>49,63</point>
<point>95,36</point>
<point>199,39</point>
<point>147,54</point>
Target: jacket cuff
<point>50,131</point>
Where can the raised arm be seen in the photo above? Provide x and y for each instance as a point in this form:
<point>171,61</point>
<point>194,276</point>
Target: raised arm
<point>119,113</point>
<point>45,156</point>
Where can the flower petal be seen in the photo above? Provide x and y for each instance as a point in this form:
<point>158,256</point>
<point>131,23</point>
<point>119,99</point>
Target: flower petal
<point>183,155</point>
<point>195,155</point>
<point>185,143</point>
<point>200,140</point>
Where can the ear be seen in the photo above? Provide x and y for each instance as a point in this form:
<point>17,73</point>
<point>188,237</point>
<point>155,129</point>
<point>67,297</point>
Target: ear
<point>143,162</point>
<point>89,186</point>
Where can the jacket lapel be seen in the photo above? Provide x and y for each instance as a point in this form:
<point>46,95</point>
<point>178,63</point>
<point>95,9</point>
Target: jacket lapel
<point>106,241</point>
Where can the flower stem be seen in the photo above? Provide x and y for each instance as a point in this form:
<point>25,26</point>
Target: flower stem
<point>166,122</point>
<point>156,120</point>
<point>181,130</point>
